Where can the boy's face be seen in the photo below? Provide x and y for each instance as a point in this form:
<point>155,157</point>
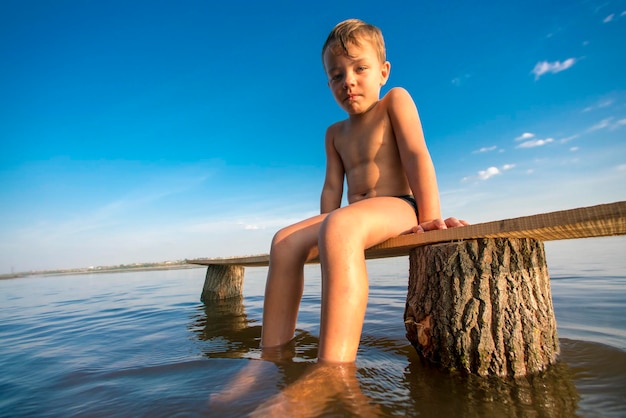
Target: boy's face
<point>355,78</point>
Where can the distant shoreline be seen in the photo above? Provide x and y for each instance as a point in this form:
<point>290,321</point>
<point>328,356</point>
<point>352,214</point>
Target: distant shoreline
<point>167,265</point>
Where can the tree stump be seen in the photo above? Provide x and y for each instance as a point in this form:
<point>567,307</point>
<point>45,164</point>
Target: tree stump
<point>482,306</point>
<point>222,282</point>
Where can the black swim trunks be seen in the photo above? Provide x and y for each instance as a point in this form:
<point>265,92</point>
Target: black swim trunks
<point>411,201</point>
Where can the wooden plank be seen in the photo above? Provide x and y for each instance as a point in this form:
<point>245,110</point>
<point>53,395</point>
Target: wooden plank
<point>260,260</point>
<point>593,221</point>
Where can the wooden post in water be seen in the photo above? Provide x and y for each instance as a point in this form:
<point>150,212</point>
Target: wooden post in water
<point>222,281</point>
<point>479,297</point>
<point>482,306</point>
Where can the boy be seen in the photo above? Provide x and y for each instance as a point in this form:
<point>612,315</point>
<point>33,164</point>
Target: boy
<point>392,190</point>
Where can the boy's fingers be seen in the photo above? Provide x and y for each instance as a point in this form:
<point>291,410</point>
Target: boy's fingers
<point>417,229</point>
<point>453,222</point>
<point>431,225</point>
<point>439,224</point>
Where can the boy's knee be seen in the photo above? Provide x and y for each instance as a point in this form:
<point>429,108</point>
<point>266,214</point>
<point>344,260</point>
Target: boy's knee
<point>282,239</point>
<point>341,227</point>
<point>288,245</point>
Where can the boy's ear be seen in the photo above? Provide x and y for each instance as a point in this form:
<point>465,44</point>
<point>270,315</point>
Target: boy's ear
<point>384,72</point>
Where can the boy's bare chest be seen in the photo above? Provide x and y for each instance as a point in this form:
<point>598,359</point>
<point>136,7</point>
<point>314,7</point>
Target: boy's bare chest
<point>368,141</point>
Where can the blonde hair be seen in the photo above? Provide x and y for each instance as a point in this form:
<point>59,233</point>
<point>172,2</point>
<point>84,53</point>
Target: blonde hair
<point>352,32</point>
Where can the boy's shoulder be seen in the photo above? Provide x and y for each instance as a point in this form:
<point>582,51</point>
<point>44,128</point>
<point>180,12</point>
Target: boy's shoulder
<point>395,94</point>
<point>336,127</point>
<point>398,103</point>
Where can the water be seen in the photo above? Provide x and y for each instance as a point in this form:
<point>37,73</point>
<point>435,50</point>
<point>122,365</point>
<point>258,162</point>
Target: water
<point>141,344</point>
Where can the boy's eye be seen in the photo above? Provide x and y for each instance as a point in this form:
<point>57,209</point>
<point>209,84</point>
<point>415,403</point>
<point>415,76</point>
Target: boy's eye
<point>335,77</point>
<point>361,69</point>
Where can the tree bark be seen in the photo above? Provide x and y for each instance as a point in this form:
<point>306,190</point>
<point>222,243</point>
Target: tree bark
<point>222,282</point>
<point>482,306</point>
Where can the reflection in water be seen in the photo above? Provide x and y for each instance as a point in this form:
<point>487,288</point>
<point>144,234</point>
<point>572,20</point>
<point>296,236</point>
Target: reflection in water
<point>302,387</point>
<point>225,325</point>
<point>548,394</point>
<point>292,384</point>
<point>137,344</point>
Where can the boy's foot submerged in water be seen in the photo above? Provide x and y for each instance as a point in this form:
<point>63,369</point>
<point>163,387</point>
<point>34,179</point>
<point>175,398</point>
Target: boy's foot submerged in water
<point>321,384</point>
<point>309,396</point>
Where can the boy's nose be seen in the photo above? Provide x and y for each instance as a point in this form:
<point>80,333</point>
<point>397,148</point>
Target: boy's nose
<point>348,81</point>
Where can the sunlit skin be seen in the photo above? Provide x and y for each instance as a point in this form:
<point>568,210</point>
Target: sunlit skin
<point>381,152</point>
<point>321,384</point>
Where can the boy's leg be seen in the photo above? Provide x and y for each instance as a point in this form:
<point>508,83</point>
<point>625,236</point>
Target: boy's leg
<point>291,248</point>
<point>344,235</point>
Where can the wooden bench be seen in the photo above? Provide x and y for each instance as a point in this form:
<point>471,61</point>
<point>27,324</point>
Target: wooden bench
<point>479,297</point>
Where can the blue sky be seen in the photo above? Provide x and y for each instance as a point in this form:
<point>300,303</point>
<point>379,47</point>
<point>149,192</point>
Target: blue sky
<point>138,131</point>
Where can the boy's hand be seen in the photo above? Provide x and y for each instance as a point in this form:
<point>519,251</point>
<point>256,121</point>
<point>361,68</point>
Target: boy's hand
<point>439,224</point>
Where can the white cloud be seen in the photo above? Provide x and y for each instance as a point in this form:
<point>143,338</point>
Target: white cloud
<point>249,227</point>
<point>525,135</point>
<point>488,173</point>
<point>605,103</point>
<point>485,149</point>
<point>535,143</point>
<point>601,104</point>
<point>568,138</point>
<point>609,18</point>
<point>574,149</point>
<point>603,124</point>
<point>608,124</point>
<point>545,67</point>
<point>621,167</point>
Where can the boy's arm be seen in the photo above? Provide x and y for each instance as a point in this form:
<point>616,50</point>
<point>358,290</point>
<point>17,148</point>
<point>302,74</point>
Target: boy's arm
<point>415,157</point>
<point>333,182</point>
